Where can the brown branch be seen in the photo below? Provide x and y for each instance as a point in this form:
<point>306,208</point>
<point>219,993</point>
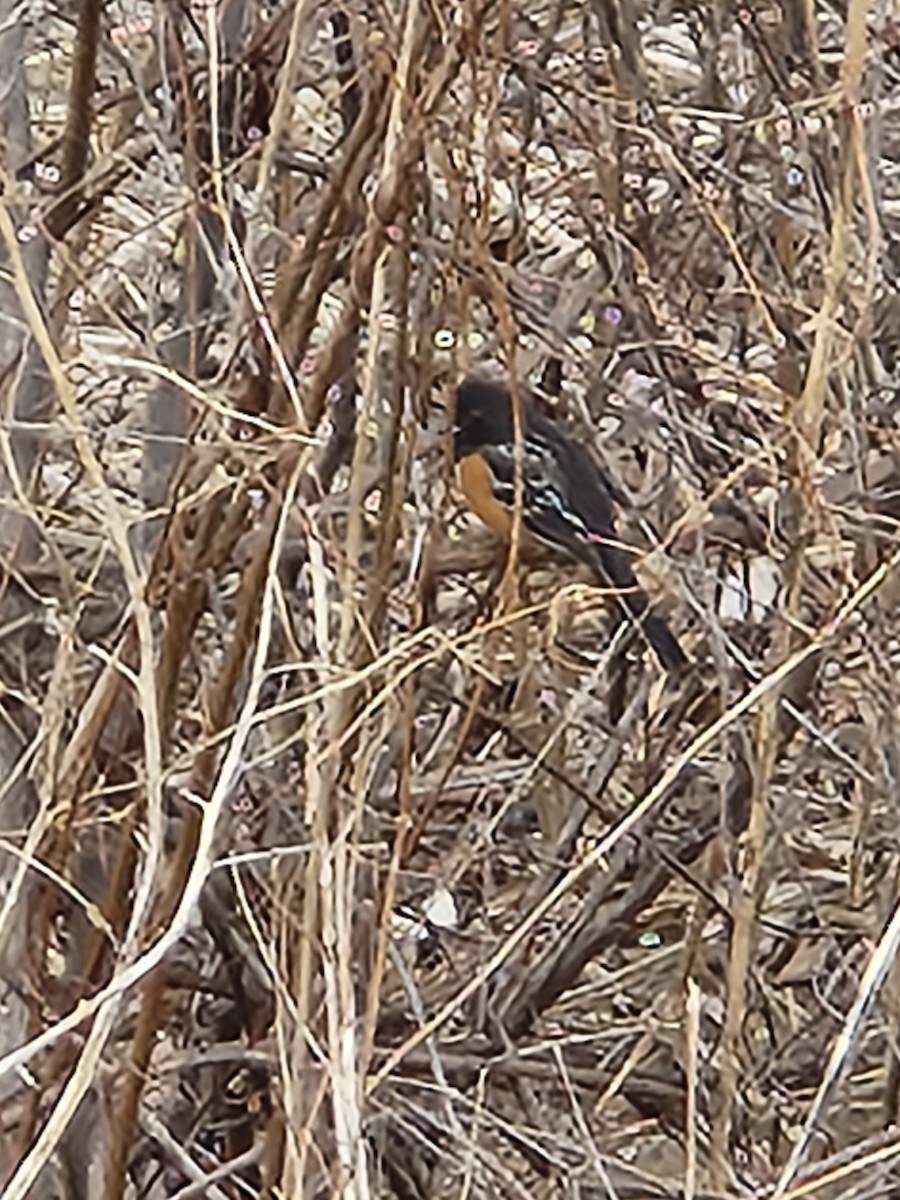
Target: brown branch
<point>79,113</point>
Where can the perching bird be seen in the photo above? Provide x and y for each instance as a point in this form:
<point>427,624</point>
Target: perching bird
<point>566,501</point>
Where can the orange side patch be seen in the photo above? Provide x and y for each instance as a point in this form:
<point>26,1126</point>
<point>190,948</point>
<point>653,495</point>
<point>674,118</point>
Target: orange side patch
<point>475,480</point>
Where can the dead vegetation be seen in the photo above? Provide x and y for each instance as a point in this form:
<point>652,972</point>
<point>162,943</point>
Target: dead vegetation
<point>339,857</point>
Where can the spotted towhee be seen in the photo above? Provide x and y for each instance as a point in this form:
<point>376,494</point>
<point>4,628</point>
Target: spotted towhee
<point>566,502</point>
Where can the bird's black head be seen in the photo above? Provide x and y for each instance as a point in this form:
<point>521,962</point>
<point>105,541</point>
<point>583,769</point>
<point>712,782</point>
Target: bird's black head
<point>484,416</point>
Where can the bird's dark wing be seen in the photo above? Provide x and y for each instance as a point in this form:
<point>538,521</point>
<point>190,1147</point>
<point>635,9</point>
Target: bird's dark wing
<point>563,501</point>
<point>566,505</point>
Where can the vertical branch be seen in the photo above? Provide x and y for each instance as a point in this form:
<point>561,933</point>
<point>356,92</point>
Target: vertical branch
<point>810,408</point>
<point>369,275</point>
<point>744,911</point>
<point>79,114</point>
<point>300,27</point>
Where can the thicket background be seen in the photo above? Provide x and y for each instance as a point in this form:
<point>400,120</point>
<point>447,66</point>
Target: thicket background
<point>337,859</point>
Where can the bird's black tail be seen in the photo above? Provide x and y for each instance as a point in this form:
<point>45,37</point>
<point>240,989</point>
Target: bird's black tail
<point>664,642</point>
<point>616,568</point>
